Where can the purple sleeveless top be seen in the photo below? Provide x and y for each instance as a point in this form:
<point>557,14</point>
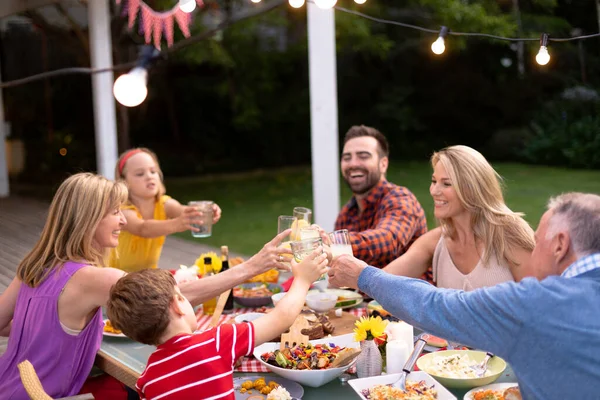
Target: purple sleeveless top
<point>62,361</point>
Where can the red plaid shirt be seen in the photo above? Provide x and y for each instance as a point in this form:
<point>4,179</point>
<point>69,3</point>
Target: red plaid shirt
<point>392,219</point>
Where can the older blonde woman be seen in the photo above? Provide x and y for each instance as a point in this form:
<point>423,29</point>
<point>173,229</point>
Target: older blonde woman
<point>480,241</point>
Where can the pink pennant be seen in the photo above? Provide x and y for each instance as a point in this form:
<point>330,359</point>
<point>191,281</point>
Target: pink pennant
<point>169,30</point>
<point>148,21</point>
<point>157,27</point>
<point>199,2</point>
<point>183,20</point>
<point>134,6</point>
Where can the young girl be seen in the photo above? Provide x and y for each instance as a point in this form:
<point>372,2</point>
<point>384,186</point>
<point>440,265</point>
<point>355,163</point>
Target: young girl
<point>150,214</point>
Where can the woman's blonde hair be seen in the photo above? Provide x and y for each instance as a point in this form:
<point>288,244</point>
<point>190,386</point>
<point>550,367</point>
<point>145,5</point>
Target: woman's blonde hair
<point>80,203</point>
<point>121,168</point>
<point>478,187</point>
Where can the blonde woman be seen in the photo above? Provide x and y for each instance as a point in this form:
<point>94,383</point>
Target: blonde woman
<point>480,241</point>
<point>51,311</point>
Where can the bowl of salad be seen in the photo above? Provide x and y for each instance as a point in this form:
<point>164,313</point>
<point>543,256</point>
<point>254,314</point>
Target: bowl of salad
<point>452,368</point>
<point>309,364</point>
<point>256,294</point>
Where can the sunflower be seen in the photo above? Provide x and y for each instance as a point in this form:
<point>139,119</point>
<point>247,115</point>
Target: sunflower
<point>215,262</point>
<point>368,328</point>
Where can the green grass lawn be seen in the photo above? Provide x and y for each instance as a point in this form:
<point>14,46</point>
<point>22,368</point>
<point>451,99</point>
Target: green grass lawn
<point>252,202</point>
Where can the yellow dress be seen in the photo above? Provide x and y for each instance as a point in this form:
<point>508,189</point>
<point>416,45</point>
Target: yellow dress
<point>135,253</point>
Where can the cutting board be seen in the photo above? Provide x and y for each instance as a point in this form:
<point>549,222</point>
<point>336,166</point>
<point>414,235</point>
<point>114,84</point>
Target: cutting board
<point>343,325</point>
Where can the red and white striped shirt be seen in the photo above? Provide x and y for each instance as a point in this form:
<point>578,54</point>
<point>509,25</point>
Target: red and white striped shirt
<point>198,366</point>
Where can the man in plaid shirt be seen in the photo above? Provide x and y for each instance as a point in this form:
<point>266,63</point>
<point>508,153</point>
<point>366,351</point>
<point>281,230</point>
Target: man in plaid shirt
<point>383,219</point>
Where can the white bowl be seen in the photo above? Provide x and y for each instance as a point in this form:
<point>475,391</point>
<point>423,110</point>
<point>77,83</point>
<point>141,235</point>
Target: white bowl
<point>367,383</point>
<point>247,317</point>
<point>321,302</point>
<point>277,296</point>
<point>313,378</point>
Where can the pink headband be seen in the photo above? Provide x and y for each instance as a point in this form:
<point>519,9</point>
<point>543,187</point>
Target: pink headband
<point>126,157</point>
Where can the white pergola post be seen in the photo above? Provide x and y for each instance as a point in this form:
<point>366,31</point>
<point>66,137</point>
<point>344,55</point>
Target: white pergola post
<point>323,115</point>
<point>105,122</point>
<point>4,187</point>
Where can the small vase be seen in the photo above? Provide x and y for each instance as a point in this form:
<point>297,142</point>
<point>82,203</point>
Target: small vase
<point>369,362</point>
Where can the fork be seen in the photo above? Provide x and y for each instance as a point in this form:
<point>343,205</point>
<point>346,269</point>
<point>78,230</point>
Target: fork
<point>410,363</point>
<point>482,367</point>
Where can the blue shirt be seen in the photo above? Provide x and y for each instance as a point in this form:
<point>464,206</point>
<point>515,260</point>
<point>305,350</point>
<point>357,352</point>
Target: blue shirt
<point>549,330</point>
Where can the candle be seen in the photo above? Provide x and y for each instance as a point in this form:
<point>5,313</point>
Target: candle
<point>403,332</point>
<point>396,354</point>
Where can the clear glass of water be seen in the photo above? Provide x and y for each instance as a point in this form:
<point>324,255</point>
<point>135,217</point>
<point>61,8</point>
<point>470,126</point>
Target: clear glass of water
<point>203,223</point>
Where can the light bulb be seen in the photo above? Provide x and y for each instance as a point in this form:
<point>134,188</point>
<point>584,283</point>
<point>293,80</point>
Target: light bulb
<point>187,6</point>
<point>325,4</point>
<point>296,3</point>
<point>360,1</point>
<point>438,46</point>
<point>256,1</point>
<point>130,89</point>
<point>543,57</point>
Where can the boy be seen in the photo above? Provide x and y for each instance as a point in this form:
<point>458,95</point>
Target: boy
<point>148,307</point>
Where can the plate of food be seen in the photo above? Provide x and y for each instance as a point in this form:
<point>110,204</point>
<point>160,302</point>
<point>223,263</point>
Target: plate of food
<point>495,391</point>
<point>419,386</point>
<point>452,368</point>
<point>111,331</point>
<point>313,364</point>
<point>346,298</point>
<point>266,388</point>
<point>255,294</point>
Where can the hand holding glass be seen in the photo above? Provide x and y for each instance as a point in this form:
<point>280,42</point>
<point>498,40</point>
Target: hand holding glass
<point>303,248</point>
<point>204,223</point>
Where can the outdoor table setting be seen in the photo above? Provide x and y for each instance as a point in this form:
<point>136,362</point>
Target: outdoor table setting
<point>126,360</point>
<point>338,346</point>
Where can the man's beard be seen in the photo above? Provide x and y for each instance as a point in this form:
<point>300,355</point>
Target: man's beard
<point>371,179</point>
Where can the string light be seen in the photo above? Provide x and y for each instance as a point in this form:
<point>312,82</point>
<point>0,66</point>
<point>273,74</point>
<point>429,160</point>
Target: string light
<point>438,47</point>
<point>543,57</point>
<point>360,1</point>
<point>130,89</point>
<point>267,8</point>
<point>187,6</point>
<point>296,3</point>
<point>325,4</point>
<point>256,1</point>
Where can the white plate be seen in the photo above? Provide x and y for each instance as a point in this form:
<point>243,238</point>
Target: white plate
<point>366,383</point>
<point>348,294</point>
<point>493,386</point>
<point>112,334</point>
<point>313,378</point>
<point>295,389</point>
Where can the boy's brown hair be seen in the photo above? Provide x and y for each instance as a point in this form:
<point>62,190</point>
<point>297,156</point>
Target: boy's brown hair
<point>139,304</point>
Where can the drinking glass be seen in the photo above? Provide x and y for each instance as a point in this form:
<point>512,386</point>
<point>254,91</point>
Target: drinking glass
<point>203,223</point>
<point>303,248</point>
<point>340,243</point>
<point>303,213</point>
<point>286,222</point>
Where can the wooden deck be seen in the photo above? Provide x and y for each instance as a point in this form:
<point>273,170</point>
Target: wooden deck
<point>22,221</point>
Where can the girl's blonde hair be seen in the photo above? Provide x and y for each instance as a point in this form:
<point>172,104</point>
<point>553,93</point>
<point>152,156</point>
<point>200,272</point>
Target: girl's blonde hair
<point>478,187</point>
<point>80,203</point>
<point>121,168</point>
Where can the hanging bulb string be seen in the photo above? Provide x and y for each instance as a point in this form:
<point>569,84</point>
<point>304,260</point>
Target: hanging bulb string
<point>262,10</point>
<point>453,33</point>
